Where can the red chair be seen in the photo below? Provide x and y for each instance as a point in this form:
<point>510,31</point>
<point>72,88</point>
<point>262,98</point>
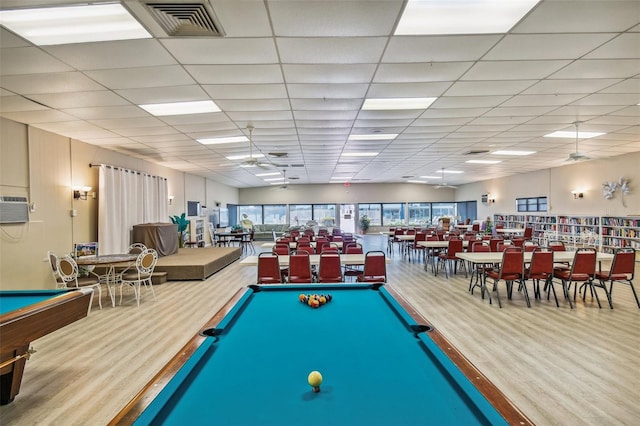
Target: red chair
<point>321,244</point>
<point>281,249</point>
<point>583,269</point>
<point>329,269</point>
<point>352,270</point>
<point>493,243</point>
<point>475,227</point>
<point>375,267</point>
<point>307,248</point>
<point>300,268</point>
<point>528,247</point>
<point>269,269</point>
<point>449,257</point>
<point>622,271</point>
<point>417,248</point>
<point>330,249</point>
<point>540,268</point>
<point>511,270</point>
<point>528,234</point>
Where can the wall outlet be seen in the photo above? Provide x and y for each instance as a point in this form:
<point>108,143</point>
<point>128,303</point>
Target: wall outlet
<point>74,212</point>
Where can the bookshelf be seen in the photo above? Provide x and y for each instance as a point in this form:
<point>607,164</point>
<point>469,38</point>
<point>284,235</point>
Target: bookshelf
<point>196,231</point>
<point>620,232</point>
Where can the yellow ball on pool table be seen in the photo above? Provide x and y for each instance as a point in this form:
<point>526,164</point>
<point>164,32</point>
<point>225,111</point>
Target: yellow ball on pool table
<point>315,380</point>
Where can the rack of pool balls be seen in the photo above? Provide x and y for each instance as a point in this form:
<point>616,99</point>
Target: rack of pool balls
<point>315,300</point>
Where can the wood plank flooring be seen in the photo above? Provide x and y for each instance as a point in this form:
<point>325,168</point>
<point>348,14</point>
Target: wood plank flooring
<point>560,366</point>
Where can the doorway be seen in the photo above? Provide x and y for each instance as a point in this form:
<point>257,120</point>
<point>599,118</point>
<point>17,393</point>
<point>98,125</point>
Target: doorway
<point>348,218</point>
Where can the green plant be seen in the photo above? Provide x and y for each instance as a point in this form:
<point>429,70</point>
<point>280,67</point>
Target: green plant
<point>365,223</point>
<point>183,224</point>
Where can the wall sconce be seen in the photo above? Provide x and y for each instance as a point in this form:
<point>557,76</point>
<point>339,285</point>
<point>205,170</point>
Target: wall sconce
<point>171,200</point>
<point>82,192</point>
<point>486,199</point>
<point>577,195</point>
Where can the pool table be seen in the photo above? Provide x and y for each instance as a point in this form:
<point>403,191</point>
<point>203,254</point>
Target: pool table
<point>26,316</point>
<point>382,364</point>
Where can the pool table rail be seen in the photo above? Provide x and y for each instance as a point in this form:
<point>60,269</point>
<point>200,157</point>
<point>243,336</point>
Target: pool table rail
<point>22,326</point>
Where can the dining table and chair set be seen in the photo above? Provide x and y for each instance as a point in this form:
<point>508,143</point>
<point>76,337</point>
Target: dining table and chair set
<point>133,269</point>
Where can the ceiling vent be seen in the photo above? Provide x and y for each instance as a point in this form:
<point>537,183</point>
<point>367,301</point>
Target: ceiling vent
<point>476,152</point>
<point>193,19</point>
<point>278,154</point>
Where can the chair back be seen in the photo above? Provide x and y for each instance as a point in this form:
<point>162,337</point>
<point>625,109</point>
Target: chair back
<point>268,269</point>
<point>518,242</point>
<point>557,246</point>
<point>329,269</point>
<point>584,263</point>
<point>479,247</point>
<point>532,246</point>
<point>432,238</point>
<point>308,248</point>
<point>321,244</point>
<point>53,263</point>
<point>420,236</point>
<point>475,227</point>
<point>541,262</point>
<point>353,248</point>
<point>137,248</point>
<point>455,246</point>
<point>512,261</point>
<point>67,270</point>
<point>493,243</point>
<point>375,267</point>
<point>624,263</point>
<point>146,262</point>
<point>281,249</point>
<point>504,244</point>
<point>528,233</point>
<point>300,267</point>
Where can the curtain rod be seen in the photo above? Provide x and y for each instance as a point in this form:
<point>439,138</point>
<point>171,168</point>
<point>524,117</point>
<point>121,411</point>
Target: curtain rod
<point>126,170</point>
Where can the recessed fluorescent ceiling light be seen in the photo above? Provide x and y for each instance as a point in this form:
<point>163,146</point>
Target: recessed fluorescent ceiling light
<point>451,171</point>
<point>572,135</point>
<point>268,174</point>
<point>430,177</point>
<point>341,177</point>
<point>180,108</point>
<point>430,17</point>
<point>513,152</point>
<point>213,141</point>
<point>397,103</point>
<point>359,154</point>
<point>373,137</point>
<point>73,24</point>
<point>286,182</point>
<point>483,161</point>
<point>274,179</point>
<point>244,156</point>
<point>416,181</point>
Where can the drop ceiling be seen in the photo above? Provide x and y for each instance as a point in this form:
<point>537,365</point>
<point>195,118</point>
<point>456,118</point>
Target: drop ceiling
<point>300,70</point>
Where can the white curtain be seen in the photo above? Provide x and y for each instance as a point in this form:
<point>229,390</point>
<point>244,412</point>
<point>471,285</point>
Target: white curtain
<point>127,198</point>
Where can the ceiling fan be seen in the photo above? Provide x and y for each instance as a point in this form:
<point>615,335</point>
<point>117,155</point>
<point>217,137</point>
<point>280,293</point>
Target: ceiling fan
<point>251,161</point>
<point>444,184</point>
<point>577,155</point>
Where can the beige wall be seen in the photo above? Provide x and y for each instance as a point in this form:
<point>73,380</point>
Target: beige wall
<point>557,184</point>
<point>44,167</point>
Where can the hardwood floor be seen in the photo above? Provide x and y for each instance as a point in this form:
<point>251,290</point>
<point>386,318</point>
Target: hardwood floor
<point>559,366</point>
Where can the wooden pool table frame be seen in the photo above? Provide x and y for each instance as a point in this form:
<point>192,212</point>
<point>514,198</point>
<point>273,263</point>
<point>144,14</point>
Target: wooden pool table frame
<point>143,399</point>
<point>20,327</point>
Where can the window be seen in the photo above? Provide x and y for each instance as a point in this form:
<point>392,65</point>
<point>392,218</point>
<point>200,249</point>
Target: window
<point>325,214</point>
<point>419,214</point>
<point>299,214</point>
<point>438,210</point>
<point>532,204</point>
<point>393,214</point>
<point>275,214</point>
<point>372,211</point>
<point>253,212</point>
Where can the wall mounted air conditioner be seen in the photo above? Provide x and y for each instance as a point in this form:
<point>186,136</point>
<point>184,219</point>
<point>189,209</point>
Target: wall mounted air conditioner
<point>14,209</point>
